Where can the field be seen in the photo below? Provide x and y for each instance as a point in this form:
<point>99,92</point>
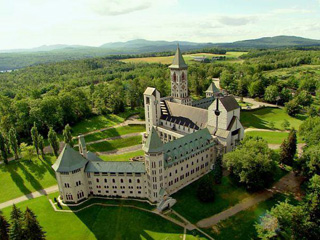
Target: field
<point>122,157</point>
<point>102,121</point>
<point>114,132</point>
<point>188,58</point>
<point>241,225</point>
<point>261,118</point>
<point>271,137</point>
<point>284,73</point>
<point>114,144</point>
<point>227,194</point>
<point>23,176</point>
<point>99,222</point>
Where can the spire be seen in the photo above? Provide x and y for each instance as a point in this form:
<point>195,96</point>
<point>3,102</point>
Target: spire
<point>178,61</point>
<point>153,143</point>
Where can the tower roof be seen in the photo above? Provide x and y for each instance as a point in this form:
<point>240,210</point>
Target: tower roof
<point>178,61</point>
<point>153,143</point>
<point>212,88</point>
<point>69,160</point>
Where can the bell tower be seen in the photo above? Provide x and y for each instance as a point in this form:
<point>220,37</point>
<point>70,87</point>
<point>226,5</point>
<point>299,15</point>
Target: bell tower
<point>179,79</point>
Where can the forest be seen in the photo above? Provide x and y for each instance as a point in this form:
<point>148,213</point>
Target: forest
<point>56,94</point>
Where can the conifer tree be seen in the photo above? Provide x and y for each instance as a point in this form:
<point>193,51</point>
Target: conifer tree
<point>3,149</point>
<point>33,230</point>
<point>16,231</point>
<point>4,228</point>
<point>218,170</point>
<point>292,142</point>
<point>16,213</point>
<point>54,142</point>
<point>35,138</point>
<point>41,145</point>
<point>67,136</point>
<point>285,156</point>
<point>13,142</point>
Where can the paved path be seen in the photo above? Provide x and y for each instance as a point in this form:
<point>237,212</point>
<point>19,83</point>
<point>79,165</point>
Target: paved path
<point>122,150</point>
<point>256,104</point>
<point>288,183</point>
<point>262,130</point>
<point>37,194</point>
<point>113,138</point>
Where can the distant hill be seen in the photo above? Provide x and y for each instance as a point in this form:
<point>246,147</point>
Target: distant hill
<point>19,58</point>
<point>272,42</point>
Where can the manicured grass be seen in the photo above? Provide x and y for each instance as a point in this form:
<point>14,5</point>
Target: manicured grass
<point>98,222</point>
<point>122,157</point>
<point>114,144</point>
<point>23,176</point>
<point>271,137</point>
<point>113,132</point>
<point>261,118</point>
<point>241,225</point>
<point>102,121</point>
<point>188,58</point>
<point>188,205</point>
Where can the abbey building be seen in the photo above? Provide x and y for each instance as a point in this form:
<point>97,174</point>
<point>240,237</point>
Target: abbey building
<point>182,140</point>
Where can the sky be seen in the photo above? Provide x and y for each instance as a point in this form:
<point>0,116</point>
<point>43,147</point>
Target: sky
<point>32,23</point>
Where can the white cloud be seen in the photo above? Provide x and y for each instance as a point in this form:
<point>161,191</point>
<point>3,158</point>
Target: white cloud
<point>237,21</point>
<point>292,10</point>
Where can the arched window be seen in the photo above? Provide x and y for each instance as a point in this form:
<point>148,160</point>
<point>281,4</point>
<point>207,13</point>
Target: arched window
<point>174,78</point>
<point>183,77</point>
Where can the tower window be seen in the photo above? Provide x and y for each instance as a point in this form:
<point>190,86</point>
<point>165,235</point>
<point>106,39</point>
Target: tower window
<point>183,77</point>
<point>174,77</point>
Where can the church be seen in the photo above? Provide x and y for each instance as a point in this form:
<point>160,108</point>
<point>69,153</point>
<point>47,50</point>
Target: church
<point>182,140</point>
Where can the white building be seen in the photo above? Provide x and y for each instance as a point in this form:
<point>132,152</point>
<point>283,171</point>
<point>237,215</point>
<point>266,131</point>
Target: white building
<point>181,143</point>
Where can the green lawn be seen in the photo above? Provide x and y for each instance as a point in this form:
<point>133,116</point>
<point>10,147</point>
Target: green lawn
<point>188,205</point>
<point>113,132</point>
<point>261,118</point>
<point>241,225</point>
<point>271,137</point>
<point>122,157</point>
<point>114,144</point>
<point>98,222</point>
<point>102,121</point>
<point>23,176</point>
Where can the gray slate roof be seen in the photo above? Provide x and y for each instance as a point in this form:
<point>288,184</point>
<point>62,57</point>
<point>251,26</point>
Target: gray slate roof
<point>229,102</point>
<point>197,115</point>
<point>93,157</point>
<point>153,143</point>
<point>69,160</point>
<point>116,167</point>
<point>212,88</point>
<point>178,61</point>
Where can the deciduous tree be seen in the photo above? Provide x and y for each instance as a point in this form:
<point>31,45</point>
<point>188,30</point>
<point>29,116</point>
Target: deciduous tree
<point>67,136</point>
<point>54,141</point>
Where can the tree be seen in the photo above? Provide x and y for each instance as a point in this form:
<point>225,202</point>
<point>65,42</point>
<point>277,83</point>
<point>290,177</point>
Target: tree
<point>205,191</point>
<point>3,149</point>
<point>54,141</point>
<point>35,138</point>
<point>41,145</point>
<point>256,89</point>
<point>285,156</point>
<point>67,136</point>
<point>292,107</point>
<point>16,213</point>
<point>13,142</point>
<point>311,160</point>
<point>4,228</point>
<point>252,163</point>
<point>285,96</point>
<point>16,231</point>
<point>292,142</point>
<point>304,98</point>
<point>217,172</point>
<point>27,151</point>
<point>33,230</point>
<point>271,93</point>
<point>285,124</point>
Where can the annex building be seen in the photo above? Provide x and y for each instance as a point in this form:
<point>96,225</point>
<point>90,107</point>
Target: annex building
<point>182,140</point>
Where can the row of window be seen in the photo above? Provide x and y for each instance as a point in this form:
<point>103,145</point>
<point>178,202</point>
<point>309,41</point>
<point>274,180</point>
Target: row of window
<point>114,174</point>
<point>116,192</point>
<point>187,174</point>
<point>73,172</point>
<point>114,180</point>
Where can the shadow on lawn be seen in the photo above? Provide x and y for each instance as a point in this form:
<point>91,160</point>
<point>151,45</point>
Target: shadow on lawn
<point>126,223</point>
<point>249,119</point>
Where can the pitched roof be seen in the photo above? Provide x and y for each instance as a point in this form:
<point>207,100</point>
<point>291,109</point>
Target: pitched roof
<point>153,143</point>
<point>229,102</point>
<point>150,91</point>
<point>188,144</point>
<point>115,167</point>
<point>212,88</point>
<point>178,61</point>
<point>69,160</point>
<point>93,157</point>
<point>197,115</point>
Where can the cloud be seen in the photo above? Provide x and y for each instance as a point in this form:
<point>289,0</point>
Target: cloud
<point>236,21</point>
<point>119,7</point>
<point>291,10</point>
